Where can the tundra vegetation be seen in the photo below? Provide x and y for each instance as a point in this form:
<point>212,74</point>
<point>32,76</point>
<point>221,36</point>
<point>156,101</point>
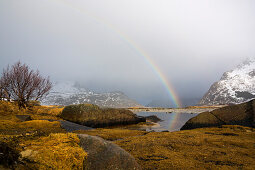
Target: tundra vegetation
<point>37,143</point>
<point>42,144</point>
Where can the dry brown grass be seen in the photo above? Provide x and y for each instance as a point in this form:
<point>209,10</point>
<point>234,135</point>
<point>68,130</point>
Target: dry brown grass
<point>51,110</point>
<point>230,147</point>
<point>8,110</point>
<point>11,108</point>
<point>43,144</point>
<point>13,127</point>
<point>56,151</point>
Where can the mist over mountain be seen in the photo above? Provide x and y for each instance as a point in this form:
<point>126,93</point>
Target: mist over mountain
<point>121,45</point>
<point>67,93</point>
<point>235,86</point>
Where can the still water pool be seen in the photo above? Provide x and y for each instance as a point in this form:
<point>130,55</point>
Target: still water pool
<point>169,121</point>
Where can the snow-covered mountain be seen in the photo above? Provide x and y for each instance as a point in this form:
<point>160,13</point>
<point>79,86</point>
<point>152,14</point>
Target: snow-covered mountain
<point>235,86</point>
<point>67,93</point>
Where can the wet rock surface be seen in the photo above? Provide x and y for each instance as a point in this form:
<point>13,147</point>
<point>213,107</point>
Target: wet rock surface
<point>70,126</point>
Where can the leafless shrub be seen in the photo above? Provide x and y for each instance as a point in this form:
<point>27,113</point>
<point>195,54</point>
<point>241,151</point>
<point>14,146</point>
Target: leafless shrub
<point>21,84</point>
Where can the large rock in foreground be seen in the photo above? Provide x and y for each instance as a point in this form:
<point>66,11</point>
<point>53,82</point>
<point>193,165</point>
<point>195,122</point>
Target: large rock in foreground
<point>106,155</point>
<point>241,114</point>
<point>94,116</point>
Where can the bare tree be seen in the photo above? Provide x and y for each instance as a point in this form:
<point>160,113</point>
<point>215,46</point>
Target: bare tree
<point>21,84</point>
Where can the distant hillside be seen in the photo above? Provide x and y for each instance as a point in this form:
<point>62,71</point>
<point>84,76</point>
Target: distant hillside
<point>67,93</point>
<point>235,86</point>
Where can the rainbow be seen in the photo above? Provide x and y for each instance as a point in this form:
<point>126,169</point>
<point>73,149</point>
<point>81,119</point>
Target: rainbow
<point>172,122</point>
<point>166,83</point>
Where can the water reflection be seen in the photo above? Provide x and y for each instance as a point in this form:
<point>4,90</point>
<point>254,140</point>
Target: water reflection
<point>169,121</point>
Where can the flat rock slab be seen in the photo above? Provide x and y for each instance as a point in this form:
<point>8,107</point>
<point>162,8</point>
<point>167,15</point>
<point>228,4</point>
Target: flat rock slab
<point>70,126</point>
<point>24,118</point>
<point>106,155</point>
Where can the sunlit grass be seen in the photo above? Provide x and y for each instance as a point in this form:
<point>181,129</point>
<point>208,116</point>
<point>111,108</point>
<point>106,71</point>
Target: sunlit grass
<point>56,151</point>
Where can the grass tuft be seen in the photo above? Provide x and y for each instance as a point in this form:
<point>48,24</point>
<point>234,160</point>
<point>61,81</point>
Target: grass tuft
<point>56,151</point>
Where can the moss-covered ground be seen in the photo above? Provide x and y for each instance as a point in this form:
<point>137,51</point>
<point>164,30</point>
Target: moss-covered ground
<point>43,144</point>
<point>226,147</point>
<point>95,116</point>
<point>229,147</point>
<point>37,143</point>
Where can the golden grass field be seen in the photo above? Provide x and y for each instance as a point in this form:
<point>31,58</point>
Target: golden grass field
<point>42,144</point>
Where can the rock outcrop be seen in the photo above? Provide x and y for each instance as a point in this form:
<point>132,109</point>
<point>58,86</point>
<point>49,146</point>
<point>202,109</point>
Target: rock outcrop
<point>105,155</point>
<point>241,114</point>
<point>94,116</point>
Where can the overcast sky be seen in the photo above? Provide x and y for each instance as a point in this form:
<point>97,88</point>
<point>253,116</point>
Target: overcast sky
<point>191,41</point>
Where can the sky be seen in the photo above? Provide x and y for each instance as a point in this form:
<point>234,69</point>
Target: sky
<point>105,45</point>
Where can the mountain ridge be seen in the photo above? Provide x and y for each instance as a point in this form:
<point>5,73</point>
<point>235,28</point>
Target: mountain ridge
<point>234,87</point>
<point>67,93</point>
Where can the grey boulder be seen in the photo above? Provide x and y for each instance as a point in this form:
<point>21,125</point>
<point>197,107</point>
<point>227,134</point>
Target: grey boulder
<point>106,155</point>
<point>240,114</point>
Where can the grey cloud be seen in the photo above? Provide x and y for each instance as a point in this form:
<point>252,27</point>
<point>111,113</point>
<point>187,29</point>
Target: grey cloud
<point>192,42</point>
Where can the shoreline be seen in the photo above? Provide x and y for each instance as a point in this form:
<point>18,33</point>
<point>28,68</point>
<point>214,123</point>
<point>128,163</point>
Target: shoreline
<point>173,110</point>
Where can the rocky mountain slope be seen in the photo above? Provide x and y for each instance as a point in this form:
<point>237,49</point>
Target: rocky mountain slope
<point>235,86</point>
<point>67,93</point>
